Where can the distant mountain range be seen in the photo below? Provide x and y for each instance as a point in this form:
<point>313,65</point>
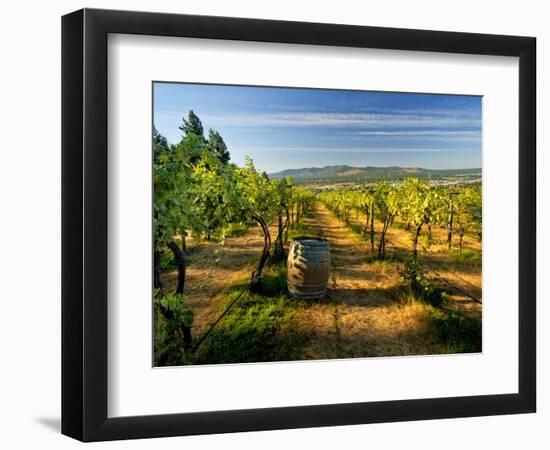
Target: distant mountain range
<point>349,173</point>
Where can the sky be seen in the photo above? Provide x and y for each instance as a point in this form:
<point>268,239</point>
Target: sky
<point>292,128</point>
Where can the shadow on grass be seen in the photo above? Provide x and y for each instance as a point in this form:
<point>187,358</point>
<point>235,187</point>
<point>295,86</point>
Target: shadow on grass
<point>262,328</point>
<point>455,331</point>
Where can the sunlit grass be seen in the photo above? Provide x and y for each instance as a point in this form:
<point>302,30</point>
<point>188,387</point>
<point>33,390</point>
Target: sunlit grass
<point>369,311</point>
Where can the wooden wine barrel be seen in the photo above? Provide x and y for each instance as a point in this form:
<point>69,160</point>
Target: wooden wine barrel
<point>308,267</point>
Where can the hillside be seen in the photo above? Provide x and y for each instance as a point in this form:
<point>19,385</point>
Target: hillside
<point>349,173</point>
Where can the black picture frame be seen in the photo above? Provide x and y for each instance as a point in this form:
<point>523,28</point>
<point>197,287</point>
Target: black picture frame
<point>84,224</point>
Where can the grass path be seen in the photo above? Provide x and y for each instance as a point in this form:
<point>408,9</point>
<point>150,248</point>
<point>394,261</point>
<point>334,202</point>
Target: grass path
<point>363,313</point>
<point>355,279</point>
<point>366,311</point>
<point>464,273</point>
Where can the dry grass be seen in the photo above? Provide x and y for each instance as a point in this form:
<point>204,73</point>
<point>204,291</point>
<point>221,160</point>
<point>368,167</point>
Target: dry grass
<point>213,270</point>
<point>463,271</point>
<point>367,312</point>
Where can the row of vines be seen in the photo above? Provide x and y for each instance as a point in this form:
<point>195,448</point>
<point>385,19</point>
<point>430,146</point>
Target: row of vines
<point>419,206</point>
<point>417,203</point>
<point>198,192</point>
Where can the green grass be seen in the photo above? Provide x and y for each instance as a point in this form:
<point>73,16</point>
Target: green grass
<point>274,280</point>
<point>257,327</point>
<point>466,255</point>
<point>254,330</point>
<point>455,331</point>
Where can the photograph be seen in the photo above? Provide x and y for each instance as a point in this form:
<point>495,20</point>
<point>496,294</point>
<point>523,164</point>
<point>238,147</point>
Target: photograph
<point>314,224</point>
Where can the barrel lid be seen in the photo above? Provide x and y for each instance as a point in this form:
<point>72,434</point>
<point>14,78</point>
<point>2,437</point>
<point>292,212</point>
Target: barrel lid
<point>310,240</point>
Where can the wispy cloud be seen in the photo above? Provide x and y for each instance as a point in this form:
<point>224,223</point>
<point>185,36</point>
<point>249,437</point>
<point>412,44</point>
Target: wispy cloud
<point>282,128</point>
<point>343,120</point>
<point>353,150</point>
<point>420,133</point>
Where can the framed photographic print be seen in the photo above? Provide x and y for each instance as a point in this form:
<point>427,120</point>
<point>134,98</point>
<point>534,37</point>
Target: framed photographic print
<point>273,224</point>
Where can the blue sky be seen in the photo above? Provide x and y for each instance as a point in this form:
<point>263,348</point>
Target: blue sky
<point>283,128</point>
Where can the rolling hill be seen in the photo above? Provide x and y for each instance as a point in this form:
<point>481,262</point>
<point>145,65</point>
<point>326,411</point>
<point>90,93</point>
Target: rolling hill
<point>350,173</point>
